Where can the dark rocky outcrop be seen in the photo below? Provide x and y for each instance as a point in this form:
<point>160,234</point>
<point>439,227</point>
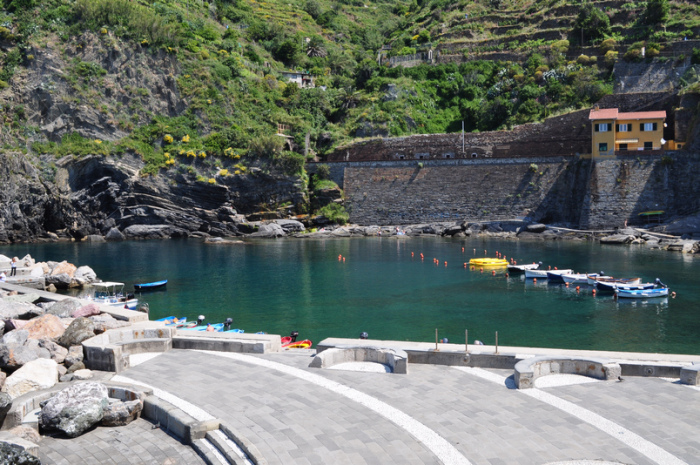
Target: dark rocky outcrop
<point>11,454</point>
<point>78,331</point>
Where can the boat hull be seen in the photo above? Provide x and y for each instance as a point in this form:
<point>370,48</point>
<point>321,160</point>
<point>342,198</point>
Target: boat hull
<point>522,268</point>
<point>641,293</point>
<point>543,273</point>
<point>611,287</point>
<point>151,286</point>
<point>488,262</point>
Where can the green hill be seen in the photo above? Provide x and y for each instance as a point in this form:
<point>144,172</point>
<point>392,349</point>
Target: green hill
<point>196,87</point>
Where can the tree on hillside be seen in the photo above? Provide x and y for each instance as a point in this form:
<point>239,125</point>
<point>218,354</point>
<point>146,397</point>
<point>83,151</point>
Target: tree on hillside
<point>657,11</point>
<point>591,23</point>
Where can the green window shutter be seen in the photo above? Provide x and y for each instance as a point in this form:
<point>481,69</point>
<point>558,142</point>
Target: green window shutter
<point>641,127</point>
<point>596,128</point>
<point>617,128</point>
<point>655,126</point>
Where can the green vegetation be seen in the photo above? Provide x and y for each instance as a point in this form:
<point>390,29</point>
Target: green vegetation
<point>335,213</point>
<point>228,57</point>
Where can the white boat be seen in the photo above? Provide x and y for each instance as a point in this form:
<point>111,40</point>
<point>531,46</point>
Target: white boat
<point>543,273</point>
<point>523,268</point>
<point>112,293</point>
<point>576,278</point>
<point>593,279</point>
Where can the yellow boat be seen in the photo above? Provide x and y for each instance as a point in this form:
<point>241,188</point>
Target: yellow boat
<point>488,262</point>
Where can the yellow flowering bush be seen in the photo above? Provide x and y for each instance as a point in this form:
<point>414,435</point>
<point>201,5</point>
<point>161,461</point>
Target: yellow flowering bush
<point>144,42</point>
<point>168,139</point>
<point>166,154</point>
<point>186,138</point>
<point>223,172</point>
<point>170,161</point>
<point>237,172</point>
<point>103,30</point>
<point>190,153</point>
<point>98,141</point>
<point>202,154</point>
<point>182,152</point>
<point>237,156</point>
<point>209,101</point>
<point>212,181</point>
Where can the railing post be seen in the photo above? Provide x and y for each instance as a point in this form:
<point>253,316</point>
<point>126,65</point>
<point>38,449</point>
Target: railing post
<point>496,341</point>
<point>466,341</point>
<point>436,339</point>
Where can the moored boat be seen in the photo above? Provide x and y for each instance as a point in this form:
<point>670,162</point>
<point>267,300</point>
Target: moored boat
<point>610,287</point>
<point>174,321</point>
<point>523,268</point>
<point>592,279</point>
<point>642,293</point>
<point>112,293</point>
<point>151,286</point>
<point>488,262</point>
<point>556,276</point>
<point>543,273</point>
<point>575,278</point>
<point>305,344</point>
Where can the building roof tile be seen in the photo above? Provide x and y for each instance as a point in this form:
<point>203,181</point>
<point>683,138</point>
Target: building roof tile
<point>642,115</point>
<point>607,113</point>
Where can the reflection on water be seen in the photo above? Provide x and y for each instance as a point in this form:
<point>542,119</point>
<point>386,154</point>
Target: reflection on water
<point>381,288</point>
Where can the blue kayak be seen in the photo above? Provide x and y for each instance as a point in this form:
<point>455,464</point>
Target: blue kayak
<point>150,286</point>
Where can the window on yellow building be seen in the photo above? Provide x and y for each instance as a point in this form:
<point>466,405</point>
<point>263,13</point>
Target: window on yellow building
<point>602,127</point>
<point>648,145</point>
<point>647,127</point>
<point>624,128</point>
<point>603,147</point>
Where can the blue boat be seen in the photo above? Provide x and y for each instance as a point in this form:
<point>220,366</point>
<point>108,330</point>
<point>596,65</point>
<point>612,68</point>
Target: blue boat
<point>218,327</point>
<point>150,286</point>
<point>642,293</point>
<point>174,321</point>
<point>610,287</point>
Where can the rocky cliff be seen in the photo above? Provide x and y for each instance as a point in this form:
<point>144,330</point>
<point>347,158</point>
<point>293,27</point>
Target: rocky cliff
<point>108,196</point>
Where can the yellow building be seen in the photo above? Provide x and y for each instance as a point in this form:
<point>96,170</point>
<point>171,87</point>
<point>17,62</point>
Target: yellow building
<point>613,131</point>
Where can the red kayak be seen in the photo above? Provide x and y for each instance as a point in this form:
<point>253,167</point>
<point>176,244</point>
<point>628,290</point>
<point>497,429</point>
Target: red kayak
<point>305,344</point>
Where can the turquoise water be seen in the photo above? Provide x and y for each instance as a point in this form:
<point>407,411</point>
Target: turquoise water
<point>283,285</point>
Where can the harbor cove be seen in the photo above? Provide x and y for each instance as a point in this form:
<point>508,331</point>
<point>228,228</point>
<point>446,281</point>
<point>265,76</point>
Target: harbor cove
<point>342,287</point>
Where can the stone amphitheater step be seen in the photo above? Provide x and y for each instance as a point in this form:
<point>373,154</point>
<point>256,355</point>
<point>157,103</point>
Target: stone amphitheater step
<point>228,447</point>
<point>209,452</point>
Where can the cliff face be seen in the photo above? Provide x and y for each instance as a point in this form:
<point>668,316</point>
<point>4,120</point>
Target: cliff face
<point>96,194</point>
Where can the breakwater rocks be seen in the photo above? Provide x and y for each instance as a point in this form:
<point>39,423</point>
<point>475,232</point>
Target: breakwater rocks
<point>514,229</point>
<point>52,275</point>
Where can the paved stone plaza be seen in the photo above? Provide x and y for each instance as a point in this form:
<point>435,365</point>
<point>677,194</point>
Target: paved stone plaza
<point>434,414</point>
<point>137,443</point>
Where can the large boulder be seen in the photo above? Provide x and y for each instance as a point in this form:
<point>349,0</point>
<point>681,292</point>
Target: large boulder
<point>105,321</point>
<point>84,275</point>
<point>17,336</point>
<point>78,331</point>
<point>114,235</point>
<point>33,376</point>
<point>45,327</point>
<point>75,355</point>
<point>536,228</point>
<point>121,413</point>
<point>61,275</point>
<point>13,454</point>
<point>290,226</point>
<point>17,310</point>
<point>617,239</point>
<point>5,405</point>
<point>75,409</point>
<point>56,352</point>
<point>13,356</point>
<point>86,310</point>
<point>271,230</point>
<point>64,308</point>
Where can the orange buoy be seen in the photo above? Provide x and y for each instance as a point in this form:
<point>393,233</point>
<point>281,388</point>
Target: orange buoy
<point>578,288</point>
<point>493,272</point>
<point>507,275</point>
<point>411,254</point>
<point>481,270</point>
<point>534,280</point>
<point>475,251</point>
<point>462,249</point>
<point>566,284</point>
<point>549,267</point>
<point>673,294</point>
<point>594,291</point>
<point>343,259</point>
<point>465,265</point>
<point>445,263</point>
<point>473,268</point>
<point>484,251</point>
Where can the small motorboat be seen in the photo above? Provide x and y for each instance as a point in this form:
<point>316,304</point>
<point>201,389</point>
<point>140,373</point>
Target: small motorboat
<point>151,286</point>
<point>557,276</point>
<point>174,321</point>
<point>217,327</point>
<point>576,278</point>
<point>641,293</point>
<point>543,273</point>
<point>593,279</point>
<point>523,268</point>
<point>112,293</point>
<point>488,262</point>
<point>305,344</point>
<point>610,287</point>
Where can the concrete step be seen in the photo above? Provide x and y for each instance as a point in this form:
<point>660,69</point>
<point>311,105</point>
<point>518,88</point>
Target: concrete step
<point>232,451</point>
<point>209,453</point>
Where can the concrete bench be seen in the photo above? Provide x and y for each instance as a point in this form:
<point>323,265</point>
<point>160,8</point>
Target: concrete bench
<point>227,342</point>
<point>110,351</point>
<point>395,359</point>
<point>528,370</point>
<point>690,375</point>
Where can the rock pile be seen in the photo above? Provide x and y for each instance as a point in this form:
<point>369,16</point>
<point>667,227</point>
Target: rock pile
<point>61,275</point>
